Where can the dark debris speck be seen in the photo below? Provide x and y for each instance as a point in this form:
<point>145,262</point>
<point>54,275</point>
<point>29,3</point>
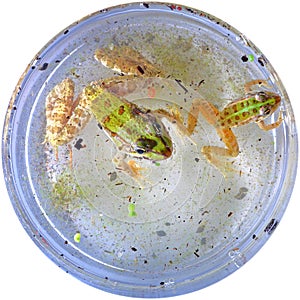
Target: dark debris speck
<point>113,176</point>
<point>200,229</point>
<point>271,226</point>
<point>161,233</point>
<point>78,145</point>
<point>196,253</point>
<point>190,10</point>
<point>244,58</point>
<point>43,67</point>
<point>241,194</point>
<point>261,61</point>
<point>201,82</point>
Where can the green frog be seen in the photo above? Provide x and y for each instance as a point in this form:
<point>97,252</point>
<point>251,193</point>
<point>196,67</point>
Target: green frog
<point>135,131</point>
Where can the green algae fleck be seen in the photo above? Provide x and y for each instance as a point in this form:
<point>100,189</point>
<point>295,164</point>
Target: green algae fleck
<point>77,237</point>
<point>131,210</point>
<point>65,191</point>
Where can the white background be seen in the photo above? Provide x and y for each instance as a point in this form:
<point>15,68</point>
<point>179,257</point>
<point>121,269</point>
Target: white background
<point>26,26</point>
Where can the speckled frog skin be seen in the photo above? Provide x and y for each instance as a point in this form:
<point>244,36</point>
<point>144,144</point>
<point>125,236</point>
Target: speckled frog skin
<point>253,107</point>
<point>140,132</point>
<point>134,130</point>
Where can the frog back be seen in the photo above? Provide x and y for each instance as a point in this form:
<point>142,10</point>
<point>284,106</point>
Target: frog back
<point>240,112</point>
<point>110,111</point>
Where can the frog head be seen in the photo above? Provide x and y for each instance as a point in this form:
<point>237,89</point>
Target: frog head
<point>269,103</point>
<point>153,147</point>
<point>152,140</point>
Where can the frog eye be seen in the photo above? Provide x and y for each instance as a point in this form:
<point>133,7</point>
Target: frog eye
<point>139,151</point>
<point>260,96</point>
<point>264,111</point>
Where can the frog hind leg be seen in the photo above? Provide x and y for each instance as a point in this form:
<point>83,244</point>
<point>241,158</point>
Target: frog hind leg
<point>59,106</point>
<point>198,105</point>
<point>217,155</point>
<point>214,154</point>
<point>58,110</point>
<point>65,117</point>
<point>174,116</point>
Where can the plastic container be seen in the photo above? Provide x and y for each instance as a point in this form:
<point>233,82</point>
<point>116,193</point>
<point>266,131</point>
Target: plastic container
<point>183,226</point>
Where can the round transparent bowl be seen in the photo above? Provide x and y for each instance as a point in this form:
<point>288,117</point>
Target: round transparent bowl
<point>182,226</point>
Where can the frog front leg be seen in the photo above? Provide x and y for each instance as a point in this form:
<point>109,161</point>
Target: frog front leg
<point>248,87</point>
<point>266,127</point>
<point>214,154</point>
<point>130,167</point>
